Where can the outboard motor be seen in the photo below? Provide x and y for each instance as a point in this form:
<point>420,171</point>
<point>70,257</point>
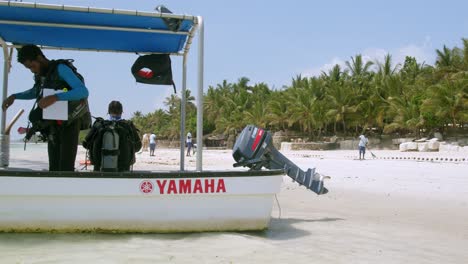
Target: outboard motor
<point>110,150</point>
<point>254,149</point>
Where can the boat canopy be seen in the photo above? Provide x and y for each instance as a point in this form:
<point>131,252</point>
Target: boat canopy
<point>89,28</point>
<point>98,29</point>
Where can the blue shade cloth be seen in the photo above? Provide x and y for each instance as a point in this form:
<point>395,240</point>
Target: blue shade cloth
<point>94,39</point>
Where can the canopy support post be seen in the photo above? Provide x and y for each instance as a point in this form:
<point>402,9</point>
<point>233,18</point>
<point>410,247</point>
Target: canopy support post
<point>5,139</point>
<point>182,112</point>
<point>200,94</point>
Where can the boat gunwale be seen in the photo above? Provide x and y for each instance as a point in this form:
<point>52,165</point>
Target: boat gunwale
<point>138,174</point>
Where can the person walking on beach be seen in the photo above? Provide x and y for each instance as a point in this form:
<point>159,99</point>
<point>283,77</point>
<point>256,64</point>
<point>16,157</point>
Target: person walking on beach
<point>145,142</point>
<point>189,143</point>
<point>362,146</point>
<point>59,75</point>
<point>152,143</point>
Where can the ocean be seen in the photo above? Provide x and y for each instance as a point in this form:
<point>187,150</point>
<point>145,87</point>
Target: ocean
<point>33,156</point>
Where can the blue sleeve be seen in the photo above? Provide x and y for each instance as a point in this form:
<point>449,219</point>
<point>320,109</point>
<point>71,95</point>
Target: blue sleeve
<point>78,91</point>
<point>26,95</point>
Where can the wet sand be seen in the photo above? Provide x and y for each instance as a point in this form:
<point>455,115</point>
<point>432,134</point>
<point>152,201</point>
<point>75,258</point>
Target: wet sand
<point>377,210</point>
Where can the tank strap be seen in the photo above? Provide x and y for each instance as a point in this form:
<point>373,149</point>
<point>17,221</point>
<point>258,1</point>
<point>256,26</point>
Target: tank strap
<point>113,152</point>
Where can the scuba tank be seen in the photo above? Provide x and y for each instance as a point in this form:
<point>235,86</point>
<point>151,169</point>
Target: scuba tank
<point>110,149</point>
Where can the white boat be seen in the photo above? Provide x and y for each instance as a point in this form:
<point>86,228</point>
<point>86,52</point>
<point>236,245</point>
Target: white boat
<point>32,201</point>
<point>138,201</point>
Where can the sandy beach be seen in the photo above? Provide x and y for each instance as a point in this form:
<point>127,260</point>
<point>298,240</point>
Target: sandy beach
<point>378,210</point>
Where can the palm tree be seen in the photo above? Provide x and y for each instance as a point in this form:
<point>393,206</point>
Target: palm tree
<point>137,119</point>
<point>333,75</point>
<point>173,103</point>
<point>412,70</point>
<point>406,115</point>
<point>257,114</point>
<point>277,115</point>
<point>137,114</point>
<point>386,69</point>
<point>231,110</point>
<point>449,61</point>
<point>465,54</point>
<point>444,58</point>
<point>336,96</point>
<point>257,111</point>
<point>449,101</point>
<point>189,98</point>
<point>301,109</point>
<point>360,83</point>
<point>211,105</point>
<point>385,83</point>
<point>357,67</point>
<point>306,107</point>
<point>370,111</point>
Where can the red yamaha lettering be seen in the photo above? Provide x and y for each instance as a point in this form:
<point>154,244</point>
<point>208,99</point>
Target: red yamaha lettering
<point>198,187</point>
<point>172,187</point>
<point>185,186</point>
<point>161,186</point>
<point>221,186</point>
<point>209,185</point>
<point>188,186</point>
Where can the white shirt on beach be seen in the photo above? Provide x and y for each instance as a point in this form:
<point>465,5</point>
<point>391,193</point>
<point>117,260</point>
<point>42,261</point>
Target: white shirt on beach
<point>363,141</point>
<point>189,137</point>
<point>152,139</point>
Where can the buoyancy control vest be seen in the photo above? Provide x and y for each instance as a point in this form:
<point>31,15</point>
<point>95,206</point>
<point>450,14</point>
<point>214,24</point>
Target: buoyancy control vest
<point>112,144</point>
<point>78,109</point>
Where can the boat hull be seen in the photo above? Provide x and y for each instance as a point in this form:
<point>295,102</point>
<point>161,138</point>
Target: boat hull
<point>137,202</point>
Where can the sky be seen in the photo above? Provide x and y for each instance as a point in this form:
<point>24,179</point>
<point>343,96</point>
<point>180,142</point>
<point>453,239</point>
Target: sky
<point>265,41</point>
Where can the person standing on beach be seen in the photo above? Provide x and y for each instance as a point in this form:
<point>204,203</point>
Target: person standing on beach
<point>152,143</point>
<point>145,142</point>
<point>189,143</point>
<point>362,146</point>
<point>128,140</point>
<point>62,136</point>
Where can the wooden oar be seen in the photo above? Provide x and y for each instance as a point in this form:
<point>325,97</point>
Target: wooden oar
<point>10,125</point>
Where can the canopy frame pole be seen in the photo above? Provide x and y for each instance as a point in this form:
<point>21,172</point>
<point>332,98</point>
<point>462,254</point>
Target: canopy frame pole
<point>183,99</point>
<point>57,25</point>
<point>95,10</point>
<point>182,113</point>
<point>201,43</point>
<point>6,70</point>
<point>5,139</point>
<point>96,50</point>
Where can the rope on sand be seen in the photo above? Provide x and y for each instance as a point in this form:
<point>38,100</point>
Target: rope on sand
<point>416,158</point>
<point>304,155</point>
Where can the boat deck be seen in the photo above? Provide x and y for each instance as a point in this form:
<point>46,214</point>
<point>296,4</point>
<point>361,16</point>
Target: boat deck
<point>140,174</point>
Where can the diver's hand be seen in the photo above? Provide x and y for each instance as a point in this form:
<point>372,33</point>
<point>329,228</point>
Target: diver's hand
<point>47,101</point>
<point>8,102</point>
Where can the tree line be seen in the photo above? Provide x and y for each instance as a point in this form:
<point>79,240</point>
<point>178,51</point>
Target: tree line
<point>409,98</point>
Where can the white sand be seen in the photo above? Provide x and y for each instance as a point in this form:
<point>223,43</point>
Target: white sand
<point>377,211</point>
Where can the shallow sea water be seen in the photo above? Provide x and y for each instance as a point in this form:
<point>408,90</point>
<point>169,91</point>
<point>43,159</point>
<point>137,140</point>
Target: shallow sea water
<point>217,247</point>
